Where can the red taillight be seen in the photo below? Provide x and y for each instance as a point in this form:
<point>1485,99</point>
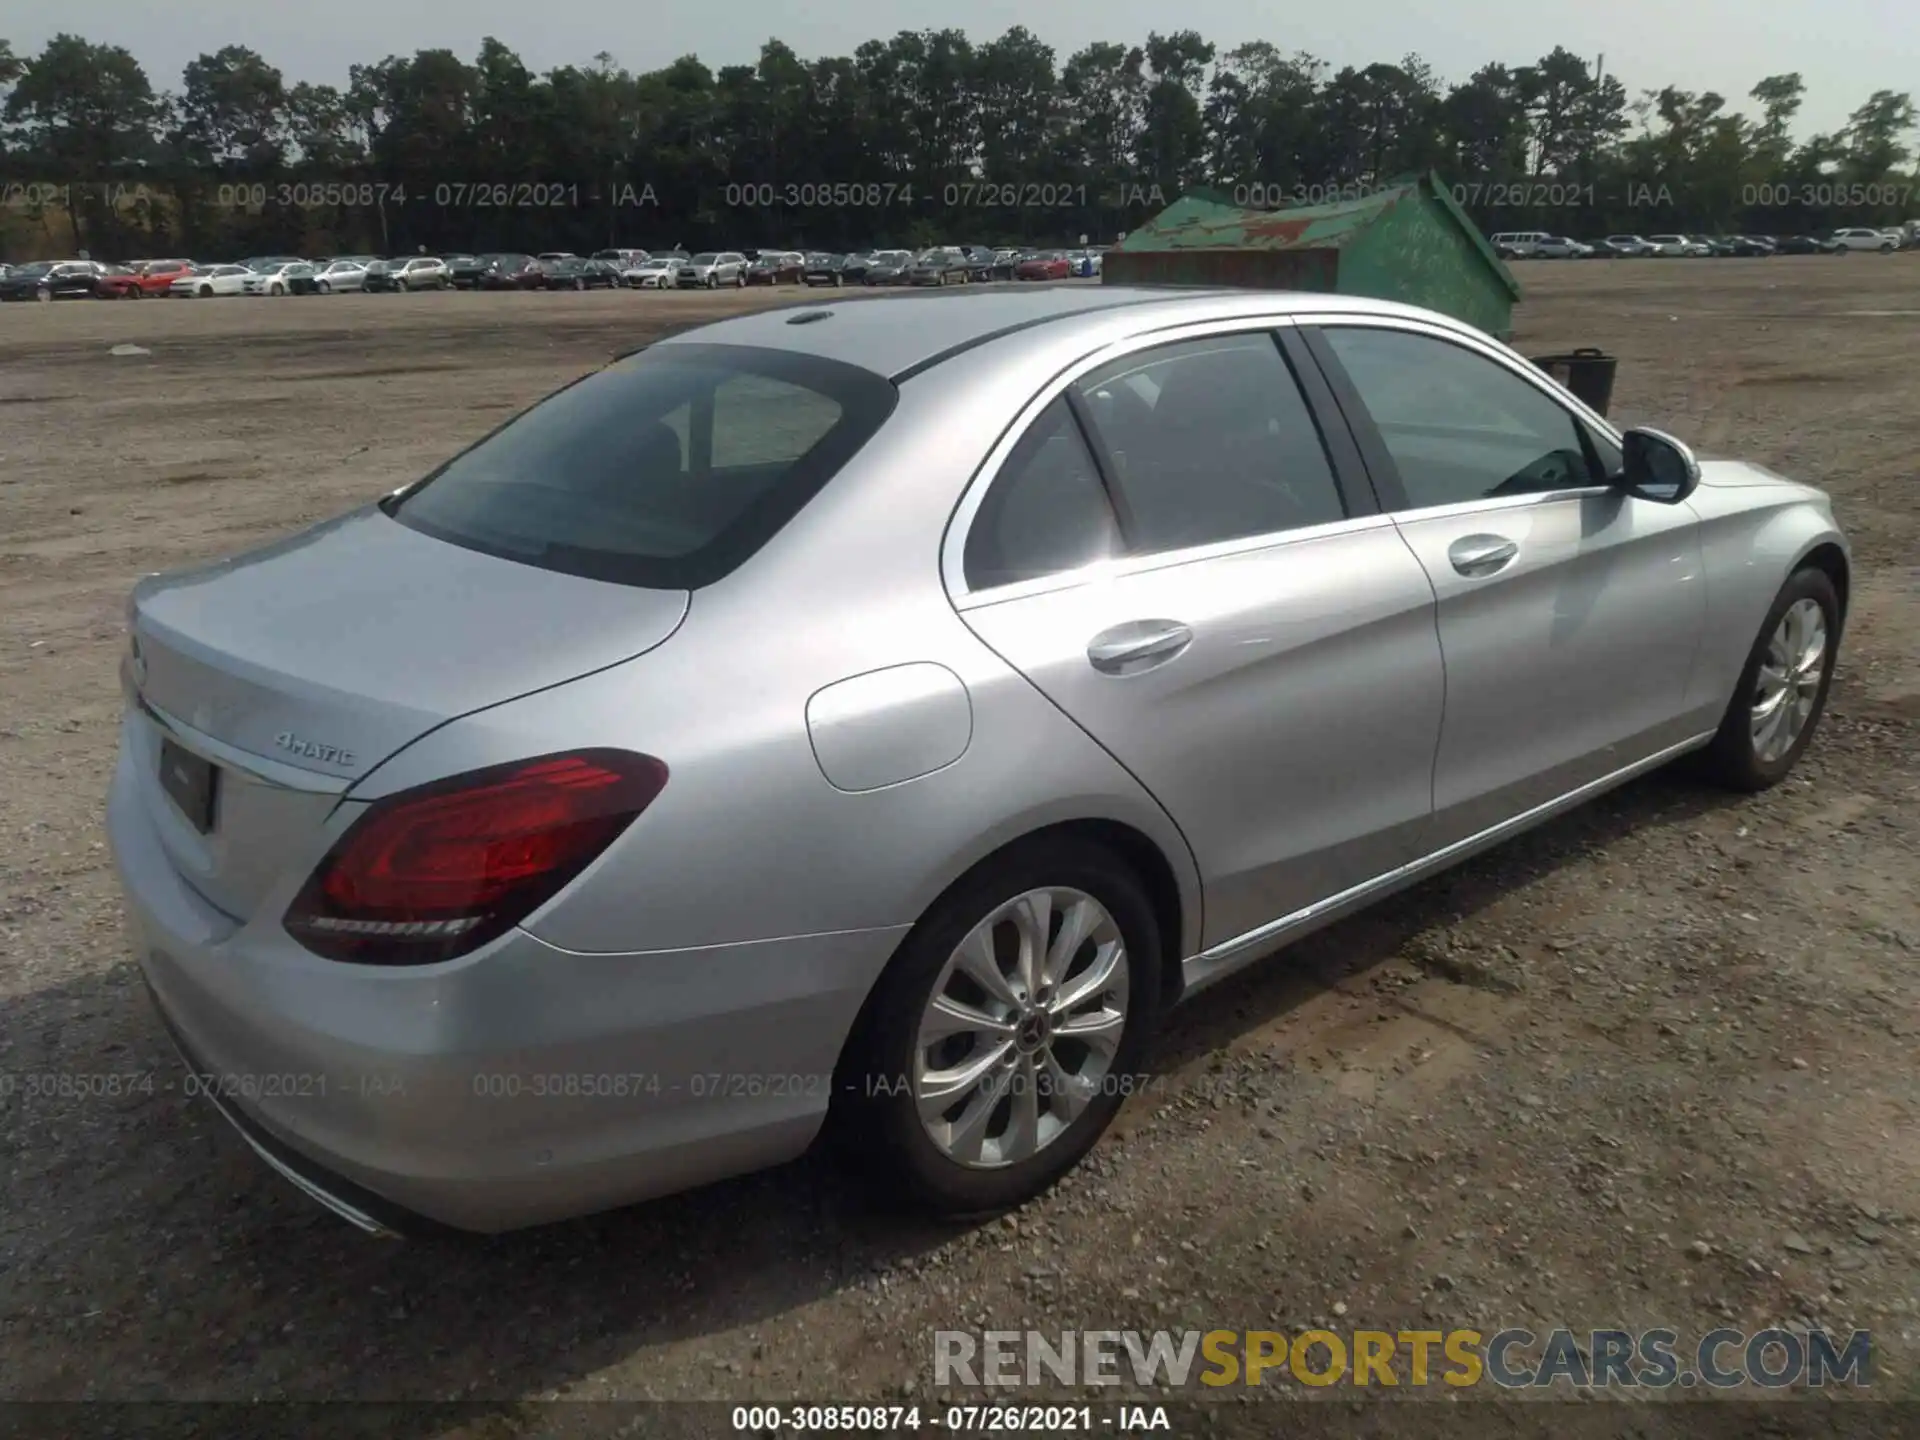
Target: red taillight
<point>437,871</point>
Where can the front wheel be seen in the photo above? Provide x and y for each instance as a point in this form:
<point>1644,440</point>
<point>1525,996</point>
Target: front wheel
<point>321,287</point>
<point>1008,1030</point>
<point>43,295</point>
<point>740,281</point>
<point>1783,687</point>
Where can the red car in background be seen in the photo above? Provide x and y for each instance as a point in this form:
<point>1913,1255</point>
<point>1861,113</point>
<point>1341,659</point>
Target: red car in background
<point>1050,265</point>
<point>135,282</point>
<point>156,275</point>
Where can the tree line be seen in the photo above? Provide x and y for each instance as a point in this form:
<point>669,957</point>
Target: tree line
<point>921,138</point>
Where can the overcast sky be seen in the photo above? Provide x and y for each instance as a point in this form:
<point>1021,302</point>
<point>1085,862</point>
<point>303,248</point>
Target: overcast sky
<point>1845,49</point>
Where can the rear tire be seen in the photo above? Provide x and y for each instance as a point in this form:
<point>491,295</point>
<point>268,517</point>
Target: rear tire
<point>876,1116</point>
<point>1779,665</point>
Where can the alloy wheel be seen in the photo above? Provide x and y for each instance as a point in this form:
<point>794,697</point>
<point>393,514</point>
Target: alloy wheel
<point>1021,1029</point>
<point>1788,683</point>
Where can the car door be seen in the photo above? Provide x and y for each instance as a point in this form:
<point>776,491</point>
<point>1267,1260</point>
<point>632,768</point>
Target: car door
<point>1569,611</point>
<point>1175,554</point>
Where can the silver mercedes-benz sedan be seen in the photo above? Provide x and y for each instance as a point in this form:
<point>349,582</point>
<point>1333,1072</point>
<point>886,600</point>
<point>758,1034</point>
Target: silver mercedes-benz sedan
<point>875,717</point>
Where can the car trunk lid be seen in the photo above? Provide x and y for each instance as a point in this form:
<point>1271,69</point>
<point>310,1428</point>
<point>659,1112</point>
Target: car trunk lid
<point>296,669</point>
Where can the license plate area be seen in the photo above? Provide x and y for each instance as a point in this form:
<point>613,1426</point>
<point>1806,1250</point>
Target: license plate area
<point>191,782</point>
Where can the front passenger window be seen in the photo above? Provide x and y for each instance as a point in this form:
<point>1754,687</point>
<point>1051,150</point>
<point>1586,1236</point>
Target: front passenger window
<point>1458,426</point>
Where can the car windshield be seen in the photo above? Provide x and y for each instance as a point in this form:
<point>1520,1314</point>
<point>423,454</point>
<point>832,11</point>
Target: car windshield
<point>668,468</point>
<point>705,259</point>
<point>38,267</point>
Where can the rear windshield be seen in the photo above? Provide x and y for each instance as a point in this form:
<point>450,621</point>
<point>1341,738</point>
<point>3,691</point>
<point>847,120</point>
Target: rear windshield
<point>666,469</point>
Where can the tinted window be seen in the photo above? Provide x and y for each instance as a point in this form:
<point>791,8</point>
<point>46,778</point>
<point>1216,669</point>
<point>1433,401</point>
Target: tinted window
<point>1212,440</point>
<point>665,469</point>
<point>1047,512</point>
<point>1459,426</point>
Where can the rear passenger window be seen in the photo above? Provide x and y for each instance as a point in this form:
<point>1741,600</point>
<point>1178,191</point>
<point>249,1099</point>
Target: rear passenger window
<point>1046,513</point>
<point>1212,440</point>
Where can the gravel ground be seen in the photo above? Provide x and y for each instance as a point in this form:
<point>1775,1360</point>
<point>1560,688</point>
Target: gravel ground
<point>1652,1065</point>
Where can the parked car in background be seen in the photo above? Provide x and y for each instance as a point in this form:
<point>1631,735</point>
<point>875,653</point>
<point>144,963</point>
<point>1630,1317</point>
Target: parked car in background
<point>1517,244</point>
<point>303,279</point>
<point>979,263</point>
<point>1679,246</point>
<point>621,260</point>
<point>1561,247</point>
<point>515,272</point>
<point>1799,245</point>
<point>274,279</point>
<point>556,255</point>
<point>1896,234</point>
<point>942,266</point>
<point>711,269</point>
<point>1627,247</point>
<point>579,274</point>
<point>777,267</point>
<point>1087,262</point>
<point>117,282</point>
<point>51,280</point>
<point>464,271</point>
<point>888,267</point>
<point>824,269</point>
<point>656,272</point>
<point>1047,265</point>
<point>136,280</point>
<point>1006,258</point>
<point>211,280</point>
<point>1856,238</point>
<point>340,275</point>
<point>1063,739</point>
<point>420,272</point>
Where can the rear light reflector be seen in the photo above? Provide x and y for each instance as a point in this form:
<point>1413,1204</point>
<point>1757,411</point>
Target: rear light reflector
<point>434,872</point>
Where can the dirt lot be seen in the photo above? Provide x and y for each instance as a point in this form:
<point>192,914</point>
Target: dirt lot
<point>1652,1065</point>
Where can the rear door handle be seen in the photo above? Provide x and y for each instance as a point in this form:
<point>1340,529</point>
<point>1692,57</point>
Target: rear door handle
<point>1137,645</point>
<point>1477,555</point>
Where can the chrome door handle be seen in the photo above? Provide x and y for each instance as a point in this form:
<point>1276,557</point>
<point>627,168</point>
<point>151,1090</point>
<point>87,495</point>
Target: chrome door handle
<point>1137,645</point>
<point>1477,555</point>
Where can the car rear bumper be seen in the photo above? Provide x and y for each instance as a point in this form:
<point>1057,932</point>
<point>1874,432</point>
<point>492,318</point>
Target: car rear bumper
<point>519,1085</point>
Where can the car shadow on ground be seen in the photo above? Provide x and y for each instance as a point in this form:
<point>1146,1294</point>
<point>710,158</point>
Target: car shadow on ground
<point>240,1280</point>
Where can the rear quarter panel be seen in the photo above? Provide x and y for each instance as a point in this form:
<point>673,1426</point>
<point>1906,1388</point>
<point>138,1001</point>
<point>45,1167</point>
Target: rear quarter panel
<point>749,840</point>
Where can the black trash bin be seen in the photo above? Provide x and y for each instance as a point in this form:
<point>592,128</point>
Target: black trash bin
<point>1587,372</point>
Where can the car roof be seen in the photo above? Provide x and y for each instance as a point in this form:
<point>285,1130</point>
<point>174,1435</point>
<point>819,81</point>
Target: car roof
<point>902,336</point>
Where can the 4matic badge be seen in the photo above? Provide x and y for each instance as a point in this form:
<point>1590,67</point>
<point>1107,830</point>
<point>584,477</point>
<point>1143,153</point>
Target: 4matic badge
<point>313,749</point>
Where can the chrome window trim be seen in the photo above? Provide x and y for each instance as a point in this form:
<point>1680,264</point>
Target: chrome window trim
<point>954,546</point>
<point>1468,339</point>
<point>1106,571</point>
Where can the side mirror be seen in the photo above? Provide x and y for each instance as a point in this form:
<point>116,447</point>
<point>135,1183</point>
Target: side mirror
<point>1657,466</point>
